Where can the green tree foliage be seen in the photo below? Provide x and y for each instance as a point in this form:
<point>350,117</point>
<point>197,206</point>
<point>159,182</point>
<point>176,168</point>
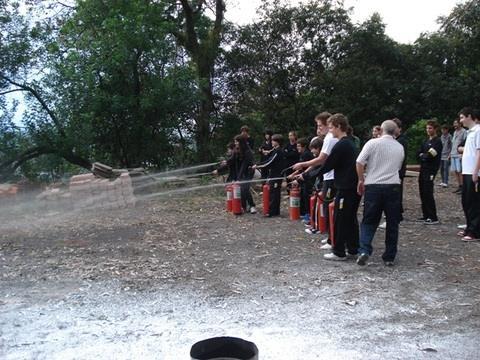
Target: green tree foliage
<point>201,38</point>
<point>162,83</point>
<point>22,47</point>
<point>126,87</point>
<point>274,62</point>
<point>416,136</point>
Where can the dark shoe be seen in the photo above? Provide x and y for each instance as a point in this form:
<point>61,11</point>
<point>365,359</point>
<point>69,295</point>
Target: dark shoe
<point>388,263</point>
<point>431,222</point>
<point>352,256</point>
<point>458,191</point>
<point>362,259</point>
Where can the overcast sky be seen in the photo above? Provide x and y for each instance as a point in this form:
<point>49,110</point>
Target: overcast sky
<point>405,19</point>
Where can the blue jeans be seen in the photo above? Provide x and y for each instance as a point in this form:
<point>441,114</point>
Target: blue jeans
<point>378,199</point>
<point>445,170</point>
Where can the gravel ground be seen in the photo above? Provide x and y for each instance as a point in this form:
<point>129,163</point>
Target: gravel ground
<point>147,283</point>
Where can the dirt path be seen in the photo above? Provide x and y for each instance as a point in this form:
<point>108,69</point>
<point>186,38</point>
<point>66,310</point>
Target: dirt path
<point>149,282</point>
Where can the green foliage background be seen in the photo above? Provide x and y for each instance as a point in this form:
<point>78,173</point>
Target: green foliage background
<point>119,84</point>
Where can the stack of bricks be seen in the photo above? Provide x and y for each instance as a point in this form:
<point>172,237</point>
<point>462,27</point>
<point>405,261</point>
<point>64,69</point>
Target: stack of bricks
<point>7,190</point>
<point>54,199</point>
<point>89,191</point>
<point>8,193</point>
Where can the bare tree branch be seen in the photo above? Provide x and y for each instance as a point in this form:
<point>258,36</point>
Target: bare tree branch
<point>10,91</point>
<point>40,100</point>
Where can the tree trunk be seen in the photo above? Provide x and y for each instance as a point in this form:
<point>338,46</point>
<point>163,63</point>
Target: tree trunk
<point>203,118</point>
<point>203,55</point>
<point>7,168</point>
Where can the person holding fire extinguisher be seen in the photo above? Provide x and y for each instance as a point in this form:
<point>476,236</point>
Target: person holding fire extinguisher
<point>265,150</point>
<point>275,164</point>
<point>342,159</point>
<point>228,164</point>
<point>243,172</point>
<point>305,186</point>
<point>328,184</point>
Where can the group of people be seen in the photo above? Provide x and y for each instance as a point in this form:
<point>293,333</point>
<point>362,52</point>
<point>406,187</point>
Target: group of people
<point>333,166</point>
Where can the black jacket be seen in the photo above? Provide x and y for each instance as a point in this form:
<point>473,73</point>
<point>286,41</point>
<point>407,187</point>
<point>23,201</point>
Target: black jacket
<point>275,164</point>
<point>267,145</point>
<point>306,156</point>
<point>230,167</point>
<point>429,162</point>
<point>291,154</point>
<point>243,166</point>
<point>402,139</point>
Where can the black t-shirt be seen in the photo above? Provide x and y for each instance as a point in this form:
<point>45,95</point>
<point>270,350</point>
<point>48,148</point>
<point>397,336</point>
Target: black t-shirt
<point>342,159</point>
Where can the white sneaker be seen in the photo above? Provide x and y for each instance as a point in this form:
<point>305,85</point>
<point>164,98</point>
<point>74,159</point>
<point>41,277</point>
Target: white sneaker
<point>462,227</point>
<point>326,246</point>
<point>324,241</point>
<point>383,225</point>
<point>253,210</point>
<point>333,257</point>
<point>311,231</point>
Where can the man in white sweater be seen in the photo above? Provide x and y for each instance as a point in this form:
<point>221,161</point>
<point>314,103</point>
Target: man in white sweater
<point>382,190</point>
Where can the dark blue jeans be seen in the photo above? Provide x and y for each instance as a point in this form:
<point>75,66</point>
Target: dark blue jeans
<point>445,170</point>
<point>378,199</point>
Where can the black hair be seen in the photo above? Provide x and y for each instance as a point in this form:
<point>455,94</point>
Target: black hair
<point>303,142</point>
<point>278,138</point>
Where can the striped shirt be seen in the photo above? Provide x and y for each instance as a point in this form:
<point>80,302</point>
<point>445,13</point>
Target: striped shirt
<point>383,157</point>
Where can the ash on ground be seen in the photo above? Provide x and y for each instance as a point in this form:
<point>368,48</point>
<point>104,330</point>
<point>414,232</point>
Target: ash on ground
<point>148,282</point>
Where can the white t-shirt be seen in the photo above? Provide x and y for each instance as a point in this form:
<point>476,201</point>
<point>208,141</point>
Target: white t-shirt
<point>472,145</point>
<point>328,143</point>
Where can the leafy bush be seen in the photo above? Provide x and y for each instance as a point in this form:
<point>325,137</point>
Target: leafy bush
<point>416,135</point>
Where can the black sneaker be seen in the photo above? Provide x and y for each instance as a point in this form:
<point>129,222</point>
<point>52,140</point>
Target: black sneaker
<point>458,191</point>
<point>430,222</point>
<point>362,259</point>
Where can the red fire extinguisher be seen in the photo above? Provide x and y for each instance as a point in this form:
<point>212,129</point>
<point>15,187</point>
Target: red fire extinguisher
<point>294,208</point>
<point>322,217</point>
<point>313,203</point>
<point>331,213</point>
<point>237,199</point>
<point>229,197</point>
<point>266,198</point>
